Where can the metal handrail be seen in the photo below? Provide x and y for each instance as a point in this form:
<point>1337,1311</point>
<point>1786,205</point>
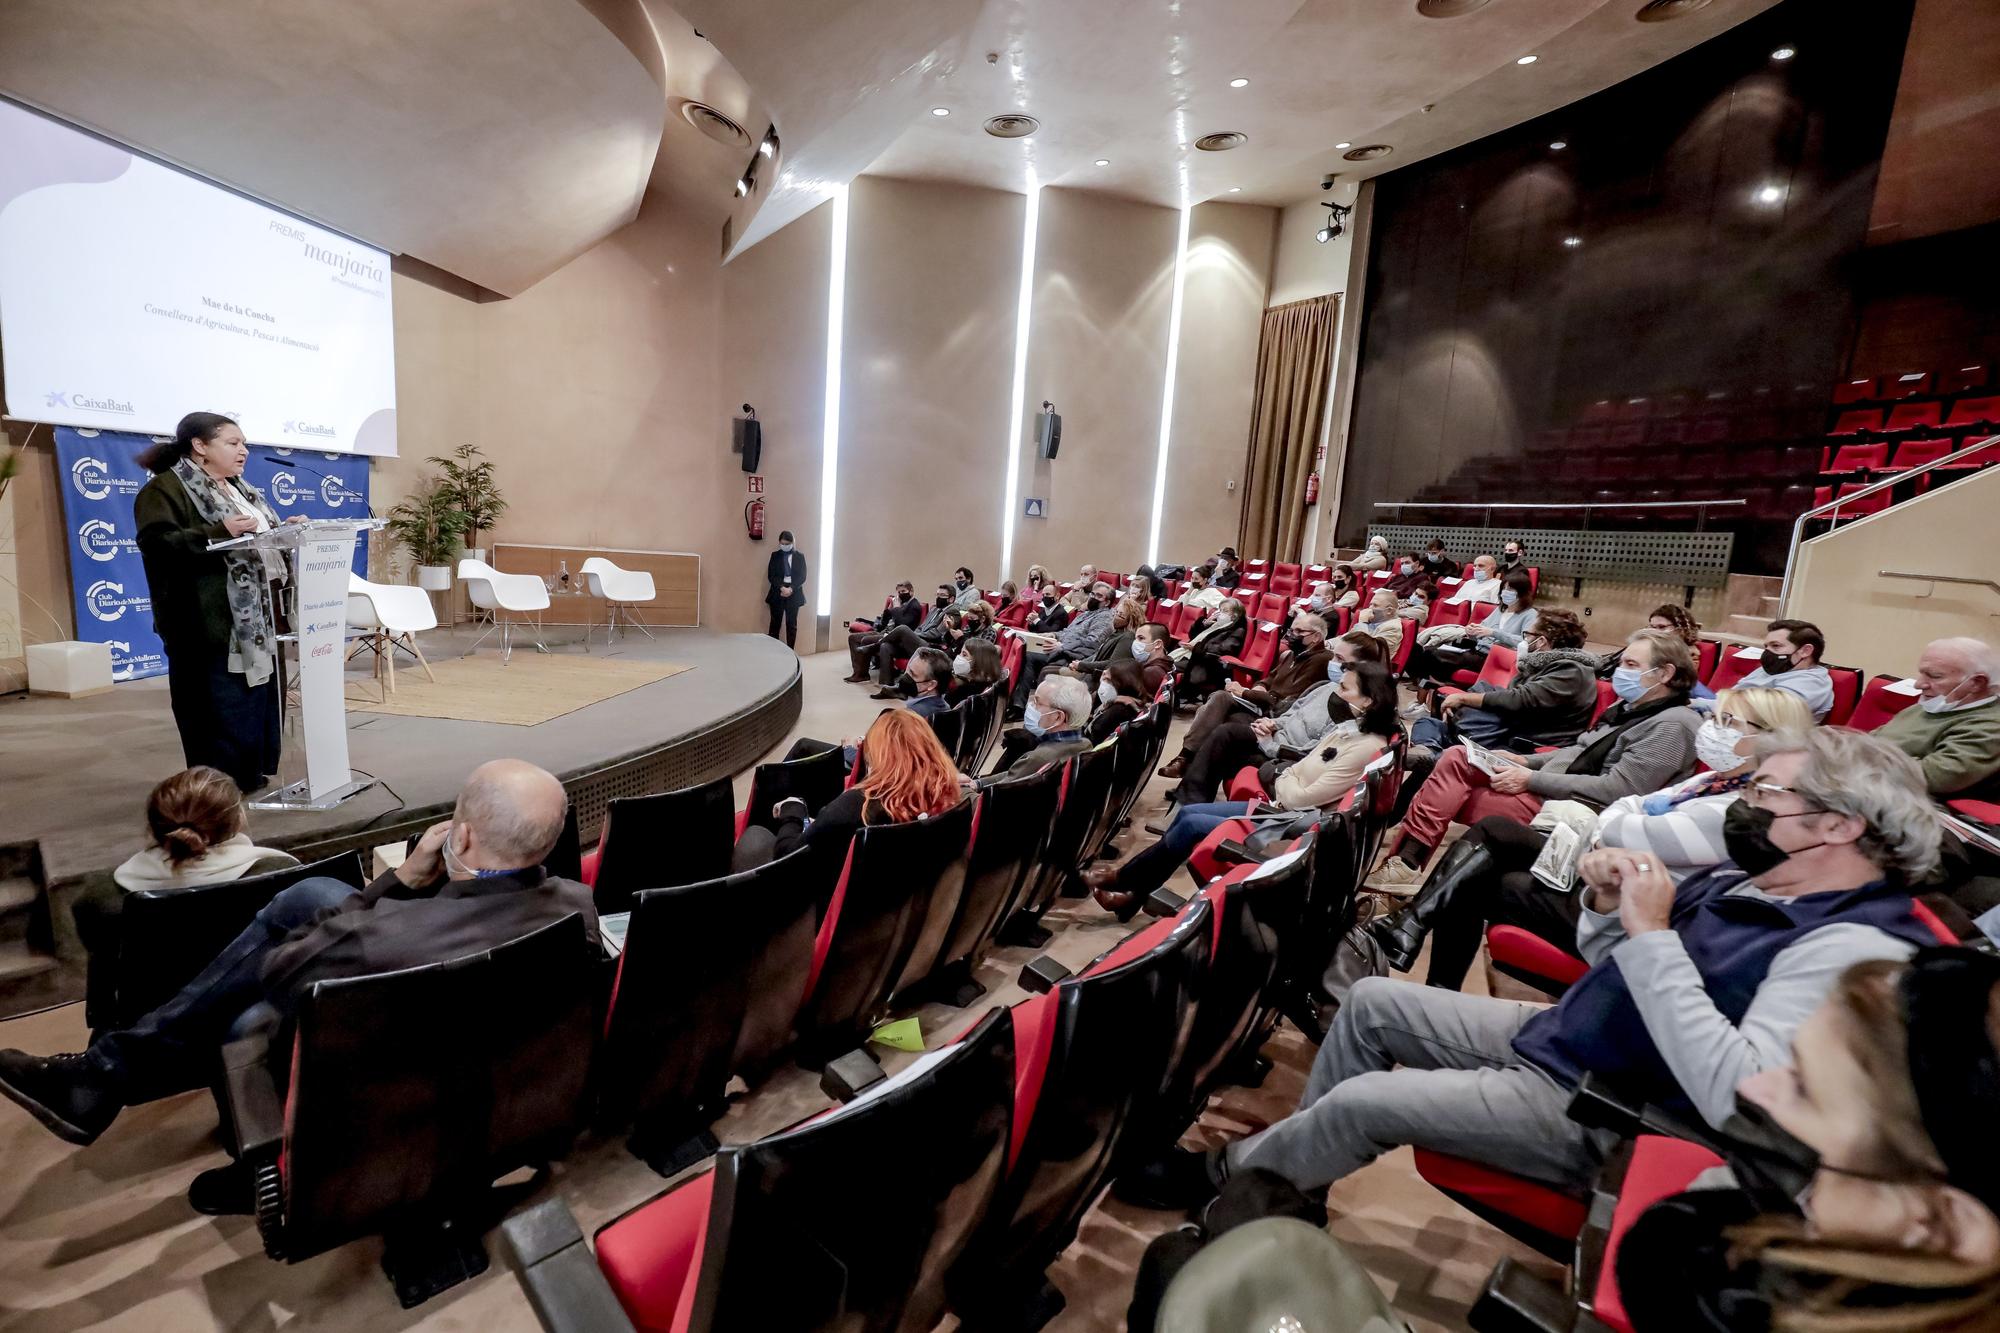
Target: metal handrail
<point>1832,506</point>
<point>1937,578</point>
<point>1701,507</point>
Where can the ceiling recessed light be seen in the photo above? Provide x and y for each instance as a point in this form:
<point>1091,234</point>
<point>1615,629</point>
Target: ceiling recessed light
<point>1236,189</point>
<point>1784,53</point>
<point>1770,194</point>
<point>1558,145</point>
<point>1527,60</point>
<point>1239,83</point>
<point>940,111</point>
<point>1103,161</point>
<point>1343,144</point>
<point>1572,242</point>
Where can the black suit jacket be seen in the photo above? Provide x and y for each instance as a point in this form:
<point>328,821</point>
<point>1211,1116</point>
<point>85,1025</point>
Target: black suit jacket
<point>908,612</point>
<point>786,567</point>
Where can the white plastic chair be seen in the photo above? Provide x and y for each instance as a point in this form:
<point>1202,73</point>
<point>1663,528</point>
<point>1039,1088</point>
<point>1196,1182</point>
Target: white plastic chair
<point>621,589</point>
<point>505,595</point>
<point>391,616</point>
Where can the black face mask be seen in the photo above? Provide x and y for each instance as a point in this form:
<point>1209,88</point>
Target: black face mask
<point>1297,643</point>
<point>1746,836</point>
<point>1510,557</point>
<point>1096,605</point>
<point>963,583</point>
<point>906,685</point>
<point>1772,1165</point>
<point>1048,599</point>
<point>1776,664</point>
<point>943,600</point>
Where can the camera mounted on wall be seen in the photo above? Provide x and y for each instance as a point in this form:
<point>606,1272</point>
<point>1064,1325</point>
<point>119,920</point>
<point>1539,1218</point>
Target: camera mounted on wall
<point>1336,214</point>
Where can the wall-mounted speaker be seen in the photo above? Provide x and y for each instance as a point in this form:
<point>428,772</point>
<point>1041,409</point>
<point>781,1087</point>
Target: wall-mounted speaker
<point>749,438</point>
<point>1048,431</point>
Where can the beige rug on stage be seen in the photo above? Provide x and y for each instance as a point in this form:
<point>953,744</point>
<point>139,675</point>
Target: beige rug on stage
<point>527,691</point>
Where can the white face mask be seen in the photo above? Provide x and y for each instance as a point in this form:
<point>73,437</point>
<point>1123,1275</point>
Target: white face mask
<point>1942,703</point>
<point>1106,691</point>
<point>1141,649</point>
<point>1715,745</point>
<point>961,666</point>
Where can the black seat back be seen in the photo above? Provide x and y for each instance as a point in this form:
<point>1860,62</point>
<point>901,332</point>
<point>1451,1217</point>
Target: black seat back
<point>1105,1042</point>
<point>709,985</point>
<point>670,837</point>
<point>413,1091</point>
<point>1011,829</point>
<point>565,859</point>
<point>949,727</point>
<point>851,1221</point>
<point>871,929</point>
<point>972,735</point>
<point>167,936</point>
<point>1086,786</point>
<point>995,722</point>
<point>815,779</point>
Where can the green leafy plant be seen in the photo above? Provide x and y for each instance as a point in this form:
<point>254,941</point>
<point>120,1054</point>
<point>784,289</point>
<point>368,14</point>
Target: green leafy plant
<point>429,522</point>
<point>468,480</point>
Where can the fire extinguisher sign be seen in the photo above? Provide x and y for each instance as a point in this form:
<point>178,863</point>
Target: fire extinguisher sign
<point>756,484</point>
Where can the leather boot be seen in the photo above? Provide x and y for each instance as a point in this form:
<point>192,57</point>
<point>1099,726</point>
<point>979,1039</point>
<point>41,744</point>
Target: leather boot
<point>1402,933</point>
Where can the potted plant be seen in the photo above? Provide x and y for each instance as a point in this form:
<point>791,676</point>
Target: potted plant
<point>468,478</point>
<point>429,522</point>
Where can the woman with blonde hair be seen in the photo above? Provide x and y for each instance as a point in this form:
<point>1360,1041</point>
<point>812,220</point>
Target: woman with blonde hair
<point>1867,1204</point>
<point>1485,878</point>
<point>1038,577</point>
<point>905,774</point>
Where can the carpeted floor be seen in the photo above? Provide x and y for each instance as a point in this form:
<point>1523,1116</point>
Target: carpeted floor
<point>530,689</point>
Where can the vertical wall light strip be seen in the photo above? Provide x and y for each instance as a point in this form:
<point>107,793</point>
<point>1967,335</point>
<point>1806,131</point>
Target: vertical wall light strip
<point>1167,393</point>
<point>1023,307</point>
<point>829,440</point>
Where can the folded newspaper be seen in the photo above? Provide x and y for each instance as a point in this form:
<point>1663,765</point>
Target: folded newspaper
<point>1572,830</point>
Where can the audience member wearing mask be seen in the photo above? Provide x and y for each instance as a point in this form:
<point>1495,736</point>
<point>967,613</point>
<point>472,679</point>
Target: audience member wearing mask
<point>1407,576</point>
<point>976,667</point>
<point>1436,562</point>
<point>1321,601</point>
<point>1791,661</point>
<point>1126,618</point>
<point>1549,701</point>
<point>1885,1116</point>
<point>1056,610</point>
<point>1301,665</point>
<point>1674,619</point>
<point>1416,608</point>
<point>1483,586</point>
<point>1321,778</point>
<point>1086,576</point>
<point>1078,641</point>
<point>1691,990</point>
<point>978,623</point>
<point>1055,718</point>
<point>1228,574</point>
<point>1346,585</point>
<point>1240,741</point>
<point>904,611</point>
<point>1122,694</point>
<point>1374,556</point>
<point>965,588</point>
<point>1017,605</point>
<point>1511,557</point>
<point>901,641</point>
<point>1381,620</point>
<point>1201,591</point>
<point>1644,742</point>
<point>929,676</point>
<point>1200,658</point>
<point>1151,651</point>
<point>472,883</point>
<point>1483,879</point>
<point>1507,623</point>
<point>1038,578</point>
<point>1954,730</point>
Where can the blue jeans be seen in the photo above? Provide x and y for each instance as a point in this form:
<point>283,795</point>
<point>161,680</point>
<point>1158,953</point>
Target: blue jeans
<point>158,1050</point>
<point>1151,868</point>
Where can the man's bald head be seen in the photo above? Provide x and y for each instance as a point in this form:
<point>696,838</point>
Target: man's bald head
<point>513,812</point>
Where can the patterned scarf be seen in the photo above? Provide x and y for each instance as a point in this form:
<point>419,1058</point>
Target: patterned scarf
<point>247,573</point>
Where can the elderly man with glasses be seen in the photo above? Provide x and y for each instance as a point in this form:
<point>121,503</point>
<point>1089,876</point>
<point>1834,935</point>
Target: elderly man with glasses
<point>1692,989</point>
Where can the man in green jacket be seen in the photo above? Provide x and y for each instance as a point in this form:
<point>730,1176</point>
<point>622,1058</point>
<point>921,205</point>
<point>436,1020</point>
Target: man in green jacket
<point>1954,730</point>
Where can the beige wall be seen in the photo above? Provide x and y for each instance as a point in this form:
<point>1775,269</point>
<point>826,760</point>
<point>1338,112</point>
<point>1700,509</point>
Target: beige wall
<point>1303,267</point>
<point>1882,624</point>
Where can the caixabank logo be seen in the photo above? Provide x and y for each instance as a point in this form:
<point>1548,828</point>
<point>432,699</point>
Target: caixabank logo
<point>99,540</point>
<point>318,429</point>
<point>108,601</point>
<point>90,401</point>
<point>94,479</point>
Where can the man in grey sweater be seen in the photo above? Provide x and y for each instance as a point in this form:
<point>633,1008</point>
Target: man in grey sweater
<point>1691,990</point>
<point>1078,642</point>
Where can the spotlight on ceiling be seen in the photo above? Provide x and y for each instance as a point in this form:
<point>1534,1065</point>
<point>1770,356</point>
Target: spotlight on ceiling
<point>1103,161</point>
<point>1784,53</point>
<point>1527,60</point>
<point>940,111</point>
<point>1336,221</point>
<point>1239,83</point>
<point>1770,194</point>
<point>1558,145</point>
<point>1236,189</point>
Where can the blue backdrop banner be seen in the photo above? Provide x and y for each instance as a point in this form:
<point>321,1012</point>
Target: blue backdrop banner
<point>101,475</point>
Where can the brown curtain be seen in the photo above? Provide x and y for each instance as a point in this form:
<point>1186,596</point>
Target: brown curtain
<point>1287,417</point>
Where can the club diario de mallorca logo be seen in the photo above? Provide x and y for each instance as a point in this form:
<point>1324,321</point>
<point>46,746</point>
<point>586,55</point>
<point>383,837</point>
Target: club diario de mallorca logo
<point>94,480</point>
<point>99,540</point>
<point>285,489</point>
<point>126,664</point>
<point>335,493</point>
<point>107,601</point>
<point>90,402</point>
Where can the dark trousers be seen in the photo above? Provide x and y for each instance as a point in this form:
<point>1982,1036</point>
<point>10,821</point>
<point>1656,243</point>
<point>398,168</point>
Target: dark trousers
<point>1156,864</point>
<point>224,721</point>
<point>1225,749</point>
<point>861,648</point>
<point>901,641</point>
<point>156,1054</point>
<point>787,614</point>
<point>1508,896</point>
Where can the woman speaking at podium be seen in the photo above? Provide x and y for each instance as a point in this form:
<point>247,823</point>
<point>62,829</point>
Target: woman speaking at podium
<point>213,609</point>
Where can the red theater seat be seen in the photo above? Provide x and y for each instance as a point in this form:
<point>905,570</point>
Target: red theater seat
<point>1915,384</point>
<point>1963,380</point>
<point>1885,697</point>
<point>1862,421</point>
<point>1532,1213</point>
<point>1258,654</point>
<point>1707,652</point>
<point>1846,694</point>
<point>1913,454</point>
<point>1854,391</point>
<point>1970,413</point>
<point>1850,458</point>
<point>1736,663</point>
<point>1659,1167</point>
<point>1528,957</point>
<point>1914,416</point>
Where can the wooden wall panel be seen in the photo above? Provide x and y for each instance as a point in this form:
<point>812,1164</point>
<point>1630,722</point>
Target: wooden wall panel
<point>676,581</point>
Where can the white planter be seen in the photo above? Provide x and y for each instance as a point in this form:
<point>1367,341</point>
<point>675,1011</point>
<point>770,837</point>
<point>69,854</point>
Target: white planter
<point>477,553</point>
<point>434,578</point>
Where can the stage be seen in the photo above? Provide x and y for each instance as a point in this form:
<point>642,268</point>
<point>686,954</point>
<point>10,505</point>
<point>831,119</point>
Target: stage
<point>77,771</point>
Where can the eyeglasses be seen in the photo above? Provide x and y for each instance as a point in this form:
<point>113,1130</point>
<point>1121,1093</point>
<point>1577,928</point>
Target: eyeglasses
<point>1756,794</point>
<point>1738,722</point>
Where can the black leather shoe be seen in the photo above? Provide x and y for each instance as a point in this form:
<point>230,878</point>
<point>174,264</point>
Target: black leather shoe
<point>225,1191</point>
<point>1402,933</point>
<point>74,1099</point>
<point>1179,1181</point>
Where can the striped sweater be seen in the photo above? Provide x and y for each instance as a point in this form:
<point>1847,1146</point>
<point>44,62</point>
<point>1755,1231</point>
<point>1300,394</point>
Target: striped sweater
<point>1685,839</point>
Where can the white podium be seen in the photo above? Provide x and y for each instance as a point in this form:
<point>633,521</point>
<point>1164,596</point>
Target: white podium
<point>321,555</point>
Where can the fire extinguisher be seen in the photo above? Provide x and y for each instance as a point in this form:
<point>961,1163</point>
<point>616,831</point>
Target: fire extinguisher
<point>753,519</point>
<point>1312,488</point>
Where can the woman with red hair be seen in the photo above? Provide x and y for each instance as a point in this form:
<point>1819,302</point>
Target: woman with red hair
<point>905,774</point>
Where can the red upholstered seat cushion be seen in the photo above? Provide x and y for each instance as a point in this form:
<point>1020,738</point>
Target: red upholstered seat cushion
<point>652,1256</point>
<point>591,858</point>
<point>823,942</point>
<point>1514,947</point>
<point>1539,1206</point>
<point>1132,946</point>
<point>1034,1037</point>
<point>1204,863</point>
<point>1660,1167</point>
<point>1245,786</point>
